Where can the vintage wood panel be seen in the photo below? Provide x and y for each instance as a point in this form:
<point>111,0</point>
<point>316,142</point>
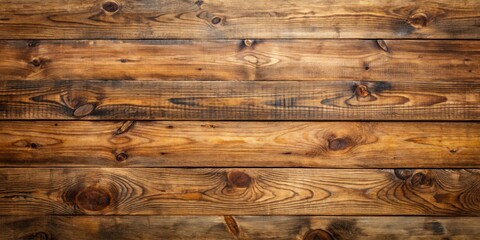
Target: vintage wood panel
<point>395,60</point>
<point>251,191</point>
<point>240,144</point>
<point>237,227</point>
<point>240,100</point>
<point>214,19</point>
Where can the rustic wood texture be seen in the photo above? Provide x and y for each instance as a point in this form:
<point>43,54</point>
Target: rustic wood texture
<point>395,60</point>
<point>257,191</point>
<point>237,227</point>
<point>215,19</point>
<point>239,100</point>
<point>240,144</point>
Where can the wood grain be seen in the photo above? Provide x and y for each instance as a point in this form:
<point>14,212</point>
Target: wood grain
<point>198,19</point>
<point>239,144</point>
<point>258,191</point>
<point>249,227</point>
<point>240,100</point>
<point>395,60</point>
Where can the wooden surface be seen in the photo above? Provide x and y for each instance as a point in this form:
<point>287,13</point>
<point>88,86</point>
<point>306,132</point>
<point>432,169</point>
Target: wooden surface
<point>232,119</point>
<point>379,60</point>
<point>242,227</point>
<point>239,100</point>
<point>249,191</point>
<point>241,144</point>
<point>221,19</point>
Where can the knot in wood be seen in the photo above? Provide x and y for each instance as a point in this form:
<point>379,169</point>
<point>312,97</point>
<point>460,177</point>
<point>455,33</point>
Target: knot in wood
<point>421,180</point>
<point>362,91</point>
<point>337,144</point>
<point>84,110</point>
<point>403,174</point>
<point>110,7</point>
<point>216,20</point>
<point>121,157</point>
<point>36,62</point>
<point>318,234</point>
<point>248,42</point>
<point>93,199</point>
<point>238,179</point>
<point>40,236</point>
<point>418,20</point>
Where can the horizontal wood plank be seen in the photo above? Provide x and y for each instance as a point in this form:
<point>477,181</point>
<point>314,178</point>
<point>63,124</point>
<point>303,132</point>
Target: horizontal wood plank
<point>257,191</point>
<point>240,100</point>
<point>239,144</point>
<point>395,60</point>
<point>237,227</point>
<point>195,19</point>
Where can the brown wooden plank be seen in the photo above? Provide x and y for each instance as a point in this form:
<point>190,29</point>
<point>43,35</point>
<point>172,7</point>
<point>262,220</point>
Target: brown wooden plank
<point>240,100</point>
<point>261,191</point>
<point>396,60</point>
<point>194,19</point>
<point>237,227</point>
<point>240,144</point>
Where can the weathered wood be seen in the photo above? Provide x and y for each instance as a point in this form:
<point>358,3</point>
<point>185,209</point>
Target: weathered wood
<point>261,191</point>
<point>237,227</point>
<point>240,144</point>
<point>396,60</point>
<point>194,19</point>
<point>240,100</point>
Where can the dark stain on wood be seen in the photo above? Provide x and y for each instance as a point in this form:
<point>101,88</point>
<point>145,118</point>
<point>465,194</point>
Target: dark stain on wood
<point>344,229</point>
<point>318,234</point>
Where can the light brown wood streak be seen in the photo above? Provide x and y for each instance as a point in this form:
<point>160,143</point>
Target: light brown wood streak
<point>240,100</point>
<point>259,191</point>
<point>252,227</point>
<point>394,60</point>
<point>192,19</point>
<point>240,144</point>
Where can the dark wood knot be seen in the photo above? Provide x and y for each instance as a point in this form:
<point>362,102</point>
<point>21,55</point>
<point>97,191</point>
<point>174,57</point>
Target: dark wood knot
<point>318,234</point>
<point>338,144</point>
<point>122,156</point>
<point>36,62</point>
<point>403,174</point>
<point>216,20</point>
<point>110,7</point>
<point>418,20</point>
<point>84,110</point>
<point>238,179</point>
<point>421,180</point>
<point>362,91</point>
<point>93,199</point>
<point>40,236</point>
<point>33,43</point>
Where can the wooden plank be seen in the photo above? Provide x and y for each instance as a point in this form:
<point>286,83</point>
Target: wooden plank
<point>240,144</point>
<point>396,60</point>
<point>240,100</point>
<point>194,19</point>
<point>260,191</point>
<point>237,227</point>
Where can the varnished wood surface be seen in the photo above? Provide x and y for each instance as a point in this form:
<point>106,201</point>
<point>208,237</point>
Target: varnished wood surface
<point>237,227</point>
<point>240,100</point>
<point>393,60</point>
<point>251,191</point>
<point>240,144</point>
<point>215,19</point>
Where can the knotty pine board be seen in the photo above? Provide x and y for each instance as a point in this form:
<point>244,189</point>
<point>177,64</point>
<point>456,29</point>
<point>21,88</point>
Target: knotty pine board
<point>243,59</point>
<point>223,19</point>
<point>239,100</point>
<point>237,227</point>
<point>239,144</point>
<point>237,191</point>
